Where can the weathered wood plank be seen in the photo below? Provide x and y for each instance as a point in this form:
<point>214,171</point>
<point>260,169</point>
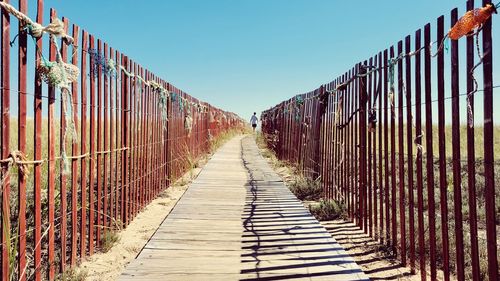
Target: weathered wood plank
<point>238,221</point>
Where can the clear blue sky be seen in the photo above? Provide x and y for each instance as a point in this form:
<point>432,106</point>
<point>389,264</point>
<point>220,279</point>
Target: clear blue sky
<point>247,55</point>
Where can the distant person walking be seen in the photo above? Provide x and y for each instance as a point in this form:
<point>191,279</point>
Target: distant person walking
<point>254,121</point>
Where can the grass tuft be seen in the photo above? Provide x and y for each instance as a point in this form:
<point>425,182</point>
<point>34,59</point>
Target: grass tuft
<point>72,274</point>
<point>306,189</point>
<point>327,210</point>
<point>108,240</point>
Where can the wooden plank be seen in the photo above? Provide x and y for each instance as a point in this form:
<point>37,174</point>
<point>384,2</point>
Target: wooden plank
<point>243,230</point>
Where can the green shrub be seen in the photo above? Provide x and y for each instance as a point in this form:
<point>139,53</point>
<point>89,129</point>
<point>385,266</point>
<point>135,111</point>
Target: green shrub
<point>307,189</point>
<point>108,240</point>
<point>327,210</point>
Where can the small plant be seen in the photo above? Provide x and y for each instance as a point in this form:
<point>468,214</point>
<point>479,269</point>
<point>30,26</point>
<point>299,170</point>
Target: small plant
<point>267,153</point>
<point>108,240</point>
<point>72,274</point>
<point>328,210</point>
<point>306,189</point>
<point>182,182</point>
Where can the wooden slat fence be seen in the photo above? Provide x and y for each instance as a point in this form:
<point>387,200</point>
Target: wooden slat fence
<point>134,135</point>
<point>397,141</point>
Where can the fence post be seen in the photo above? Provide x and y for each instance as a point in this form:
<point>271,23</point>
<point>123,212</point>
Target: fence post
<point>491,232</point>
<point>124,92</point>
<point>362,143</point>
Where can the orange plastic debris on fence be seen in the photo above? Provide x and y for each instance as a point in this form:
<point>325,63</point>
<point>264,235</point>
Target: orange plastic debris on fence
<point>470,21</point>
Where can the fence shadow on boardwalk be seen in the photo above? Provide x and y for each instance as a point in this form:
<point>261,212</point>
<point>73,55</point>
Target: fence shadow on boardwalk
<point>281,240</point>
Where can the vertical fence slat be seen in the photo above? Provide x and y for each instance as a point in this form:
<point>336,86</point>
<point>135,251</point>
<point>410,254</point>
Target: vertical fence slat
<point>387,183</point>
<point>471,157</point>
<point>148,139</point>
<point>107,151</point>
<point>74,161</point>
<point>52,167</point>
<point>359,199</point>
<point>118,193</point>
<point>457,179</point>
<point>429,150</point>
<point>99,153</point>
<point>143,141</point>
<point>112,154</point>
<point>92,153</point>
<point>489,185</point>
<point>62,165</point>
<point>401,158</point>
<point>368,168</point>
<point>83,149</point>
<point>132,135</point>
<point>5,141</point>
<point>409,149</point>
<point>22,73</point>
<point>443,183</point>
<point>373,151</point>
<point>125,141</point>
<point>38,156</point>
<point>381,96</point>
<point>362,100</point>
<point>418,160</point>
<point>392,99</point>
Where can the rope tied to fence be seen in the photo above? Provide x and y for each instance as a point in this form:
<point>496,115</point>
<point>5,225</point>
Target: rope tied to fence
<point>35,29</point>
<point>19,159</point>
<point>372,119</point>
<point>109,67</point>
<point>55,73</point>
<point>188,124</point>
<point>338,112</point>
<point>163,102</point>
<point>418,142</point>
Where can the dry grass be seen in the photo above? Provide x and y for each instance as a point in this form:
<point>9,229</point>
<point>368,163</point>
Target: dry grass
<point>327,210</point>
<point>478,140</point>
<point>72,274</point>
<point>108,240</point>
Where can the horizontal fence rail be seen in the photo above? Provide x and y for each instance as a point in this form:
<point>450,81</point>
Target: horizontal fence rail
<point>397,141</point>
<point>89,138</point>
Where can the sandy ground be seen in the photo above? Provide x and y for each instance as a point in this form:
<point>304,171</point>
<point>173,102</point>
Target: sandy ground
<point>366,252</point>
<point>109,265</point>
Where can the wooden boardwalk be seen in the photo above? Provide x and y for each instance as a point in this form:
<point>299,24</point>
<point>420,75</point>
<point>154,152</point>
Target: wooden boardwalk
<point>238,221</point>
